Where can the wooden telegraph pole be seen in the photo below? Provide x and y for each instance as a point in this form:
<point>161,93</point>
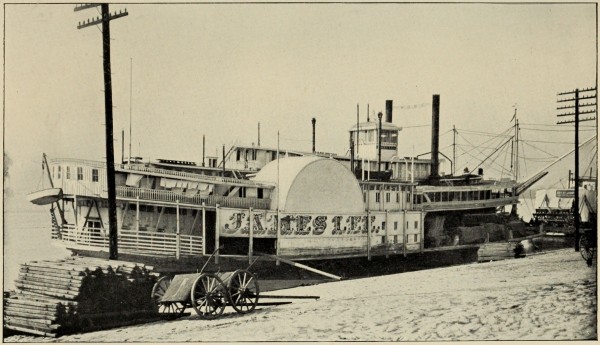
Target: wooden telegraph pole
<point>110,155</point>
<point>573,98</point>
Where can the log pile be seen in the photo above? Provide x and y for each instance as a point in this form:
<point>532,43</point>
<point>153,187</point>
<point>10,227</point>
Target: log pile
<point>500,251</point>
<point>79,294</point>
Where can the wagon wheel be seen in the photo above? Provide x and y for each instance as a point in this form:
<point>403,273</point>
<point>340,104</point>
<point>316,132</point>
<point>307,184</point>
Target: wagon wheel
<point>586,250</point>
<point>243,291</point>
<point>158,291</point>
<point>209,296</point>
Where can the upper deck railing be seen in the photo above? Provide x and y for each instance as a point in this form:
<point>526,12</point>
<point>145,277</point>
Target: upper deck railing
<point>209,200</point>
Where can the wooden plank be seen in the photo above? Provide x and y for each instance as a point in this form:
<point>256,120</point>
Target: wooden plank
<point>57,266</point>
<point>44,292</point>
<point>48,333</point>
<point>25,297</point>
<point>30,315</point>
<point>33,271</point>
<point>48,284</point>
<point>54,270</point>
<point>32,308</point>
<point>45,278</point>
<point>295,264</point>
<point>32,322</point>
<point>46,287</point>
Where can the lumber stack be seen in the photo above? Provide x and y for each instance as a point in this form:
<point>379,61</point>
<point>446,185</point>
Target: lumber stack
<point>79,294</point>
<point>499,251</point>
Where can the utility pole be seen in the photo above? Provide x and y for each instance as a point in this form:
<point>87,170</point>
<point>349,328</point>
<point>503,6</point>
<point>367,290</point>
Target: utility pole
<point>573,103</point>
<point>379,115</point>
<point>110,154</point>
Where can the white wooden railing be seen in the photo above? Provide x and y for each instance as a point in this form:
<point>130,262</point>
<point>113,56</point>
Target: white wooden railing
<point>209,200</point>
<point>142,242</point>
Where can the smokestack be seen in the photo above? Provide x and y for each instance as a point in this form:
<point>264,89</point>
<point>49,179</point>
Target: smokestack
<point>314,121</point>
<point>388,111</point>
<point>435,136</point>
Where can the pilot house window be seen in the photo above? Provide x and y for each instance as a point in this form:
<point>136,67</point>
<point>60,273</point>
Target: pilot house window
<point>95,175</point>
<point>79,173</point>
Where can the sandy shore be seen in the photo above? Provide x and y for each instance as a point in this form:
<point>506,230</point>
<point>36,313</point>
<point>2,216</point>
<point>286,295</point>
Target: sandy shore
<point>542,297</point>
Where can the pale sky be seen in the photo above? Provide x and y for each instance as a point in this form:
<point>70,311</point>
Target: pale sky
<point>219,69</point>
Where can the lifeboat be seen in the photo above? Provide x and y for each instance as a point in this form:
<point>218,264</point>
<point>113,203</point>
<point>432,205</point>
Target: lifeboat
<point>45,196</point>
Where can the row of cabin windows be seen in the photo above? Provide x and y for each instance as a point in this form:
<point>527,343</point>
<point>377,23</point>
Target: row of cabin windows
<point>388,197</point>
<point>415,239</point>
<point>79,173</point>
<point>460,196</point>
<point>407,225</point>
<point>388,138</point>
<point>250,154</point>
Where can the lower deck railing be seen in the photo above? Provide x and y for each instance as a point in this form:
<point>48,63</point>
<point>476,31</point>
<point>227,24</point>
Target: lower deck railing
<point>132,241</point>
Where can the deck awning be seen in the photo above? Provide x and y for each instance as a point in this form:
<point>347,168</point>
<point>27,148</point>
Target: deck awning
<point>133,180</point>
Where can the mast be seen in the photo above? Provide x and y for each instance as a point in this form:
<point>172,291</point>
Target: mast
<point>454,149</point>
<point>130,100</point>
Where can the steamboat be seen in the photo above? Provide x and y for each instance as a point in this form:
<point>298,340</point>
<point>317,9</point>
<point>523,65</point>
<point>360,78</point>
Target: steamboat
<point>295,205</point>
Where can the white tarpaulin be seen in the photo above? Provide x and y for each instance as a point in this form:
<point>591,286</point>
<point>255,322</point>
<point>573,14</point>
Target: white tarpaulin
<point>133,180</point>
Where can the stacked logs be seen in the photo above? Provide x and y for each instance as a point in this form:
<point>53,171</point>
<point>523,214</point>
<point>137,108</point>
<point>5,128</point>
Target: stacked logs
<point>79,294</point>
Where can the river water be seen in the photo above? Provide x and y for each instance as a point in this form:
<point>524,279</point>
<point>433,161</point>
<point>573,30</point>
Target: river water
<point>26,238</point>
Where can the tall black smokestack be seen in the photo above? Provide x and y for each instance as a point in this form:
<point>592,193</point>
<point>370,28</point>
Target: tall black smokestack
<point>388,111</point>
<point>314,121</point>
<point>435,136</point>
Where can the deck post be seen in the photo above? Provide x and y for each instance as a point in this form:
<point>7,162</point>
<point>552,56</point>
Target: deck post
<point>387,237</point>
<point>217,230</point>
<point>137,214</point>
<point>422,239</point>
<point>203,228</point>
<point>177,235</point>
<point>369,235</point>
<point>250,234</point>
<point>404,233</point>
<point>277,235</point>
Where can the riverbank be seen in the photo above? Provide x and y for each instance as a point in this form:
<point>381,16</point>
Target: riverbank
<point>541,297</point>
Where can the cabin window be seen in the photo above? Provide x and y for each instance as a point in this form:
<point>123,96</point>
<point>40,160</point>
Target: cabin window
<point>93,224</point>
<point>416,224</point>
<point>383,239</point>
<point>395,238</point>
<point>408,198</point>
<point>407,224</point>
<point>259,193</point>
<point>242,192</point>
<point>395,225</point>
<point>377,197</point>
<point>253,154</point>
<point>387,197</point>
<point>59,171</point>
<point>68,173</point>
<point>364,196</point>
<point>416,237</point>
<point>52,172</point>
<point>79,173</point>
<point>383,225</point>
<point>95,175</point>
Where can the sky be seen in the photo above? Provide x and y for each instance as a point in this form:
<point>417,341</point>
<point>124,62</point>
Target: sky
<point>183,71</point>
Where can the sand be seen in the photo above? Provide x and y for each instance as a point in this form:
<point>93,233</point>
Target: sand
<point>552,296</point>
